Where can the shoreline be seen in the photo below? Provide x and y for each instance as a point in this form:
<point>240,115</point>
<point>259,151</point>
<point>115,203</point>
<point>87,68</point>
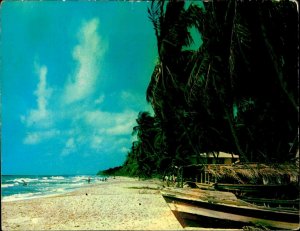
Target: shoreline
<point>122,203</point>
<point>69,185</point>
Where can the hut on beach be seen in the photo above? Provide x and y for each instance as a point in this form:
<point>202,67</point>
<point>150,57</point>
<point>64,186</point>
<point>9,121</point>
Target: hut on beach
<point>245,173</point>
<point>219,158</point>
<point>278,181</point>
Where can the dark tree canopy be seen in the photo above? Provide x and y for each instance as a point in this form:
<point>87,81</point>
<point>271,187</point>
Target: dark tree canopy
<point>237,93</point>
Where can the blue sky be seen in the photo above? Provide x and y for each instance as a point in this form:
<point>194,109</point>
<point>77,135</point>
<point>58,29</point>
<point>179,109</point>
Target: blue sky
<point>73,79</point>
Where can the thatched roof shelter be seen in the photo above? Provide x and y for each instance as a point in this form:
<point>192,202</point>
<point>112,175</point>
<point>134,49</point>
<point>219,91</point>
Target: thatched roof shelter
<point>249,172</point>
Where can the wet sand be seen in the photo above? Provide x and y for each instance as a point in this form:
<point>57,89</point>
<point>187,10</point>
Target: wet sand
<point>118,204</point>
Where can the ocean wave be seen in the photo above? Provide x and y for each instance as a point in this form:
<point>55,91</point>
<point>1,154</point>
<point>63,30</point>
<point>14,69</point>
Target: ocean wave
<point>57,177</point>
<point>41,186</point>
<point>59,190</point>
<point>7,185</point>
<point>76,184</point>
<point>52,179</point>
<point>46,180</point>
<point>79,178</point>
<point>21,180</point>
<point>23,196</point>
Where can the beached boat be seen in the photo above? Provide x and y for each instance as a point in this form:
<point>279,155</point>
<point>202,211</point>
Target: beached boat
<point>206,208</point>
<point>253,188</point>
<point>272,202</point>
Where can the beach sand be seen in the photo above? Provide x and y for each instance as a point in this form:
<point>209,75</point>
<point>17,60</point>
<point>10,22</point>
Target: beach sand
<point>118,204</point>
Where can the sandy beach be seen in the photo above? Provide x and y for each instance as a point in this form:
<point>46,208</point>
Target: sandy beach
<point>118,204</point>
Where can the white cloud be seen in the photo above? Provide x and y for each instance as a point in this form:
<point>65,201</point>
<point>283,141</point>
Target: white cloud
<point>92,130</point>
<point>100,99</point>
<point>122,141</point>
<point>42,92</point>
<point>110,129</point>
<point>130,99</point>
<point>40,116</point>
<point>70,143</point>
<point>98,118</point>
<point>85,130</point>
<point>39,136</point>
<point>124,150</point>
<point>125,95</point>
<point>87,54</point>
<point>69,147</point>
<point>112,123</point>
<point>96,142</point>
<point>121,129</point>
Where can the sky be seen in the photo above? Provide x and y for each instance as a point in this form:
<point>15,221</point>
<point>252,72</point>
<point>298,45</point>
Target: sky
<point>73,80</point>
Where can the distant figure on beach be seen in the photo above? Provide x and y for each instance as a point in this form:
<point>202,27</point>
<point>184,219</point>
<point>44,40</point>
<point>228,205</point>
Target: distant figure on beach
<point>174,179</point>
<point>89,180</point>
<point>167,180</point>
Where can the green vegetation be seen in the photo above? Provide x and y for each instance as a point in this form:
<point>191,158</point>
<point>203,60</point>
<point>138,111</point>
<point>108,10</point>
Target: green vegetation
<point>111,171</point>
<point>236,93</point>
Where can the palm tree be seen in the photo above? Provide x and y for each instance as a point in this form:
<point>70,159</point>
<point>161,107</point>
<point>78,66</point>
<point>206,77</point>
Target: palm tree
<point>166,90</point>
<point>245,71</point>
<point>230,79</point>
<point>227,95</point>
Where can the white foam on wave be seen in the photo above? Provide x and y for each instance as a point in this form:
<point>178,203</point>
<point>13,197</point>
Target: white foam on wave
<point>77,184</point>
<point>49,180</point>
<point>29,196</point>
<point>57,177</point>
<point>59,190</point>
<point>46,186</point>
<point>17,197</point>
<point>46,180</point>
<point>79,178</point>
<point>7,185</point>
<point>21,180</point>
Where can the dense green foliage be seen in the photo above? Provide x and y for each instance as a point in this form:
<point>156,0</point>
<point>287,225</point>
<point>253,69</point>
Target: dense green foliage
<point>237,93</point>
<point>116,171</point>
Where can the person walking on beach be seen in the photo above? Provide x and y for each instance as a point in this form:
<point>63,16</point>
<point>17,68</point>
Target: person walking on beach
<point>167,180</point>
<point>89,180</point>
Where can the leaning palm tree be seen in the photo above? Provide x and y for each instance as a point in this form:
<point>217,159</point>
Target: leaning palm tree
<point>172,23</point>
<point>226,95</point>
<point>244,73</point>
<point>227,87</point>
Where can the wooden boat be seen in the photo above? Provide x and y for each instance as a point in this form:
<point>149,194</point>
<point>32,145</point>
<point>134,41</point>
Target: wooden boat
<point>223,210</point>
<point>272,202</point>
<point>270,195</point>
<point>204,186</point>
<point>253,188</point>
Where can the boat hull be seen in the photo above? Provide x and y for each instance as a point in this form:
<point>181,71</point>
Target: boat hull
<point>190,208</point>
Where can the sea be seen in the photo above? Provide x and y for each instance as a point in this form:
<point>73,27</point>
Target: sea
<point>18,187</point>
